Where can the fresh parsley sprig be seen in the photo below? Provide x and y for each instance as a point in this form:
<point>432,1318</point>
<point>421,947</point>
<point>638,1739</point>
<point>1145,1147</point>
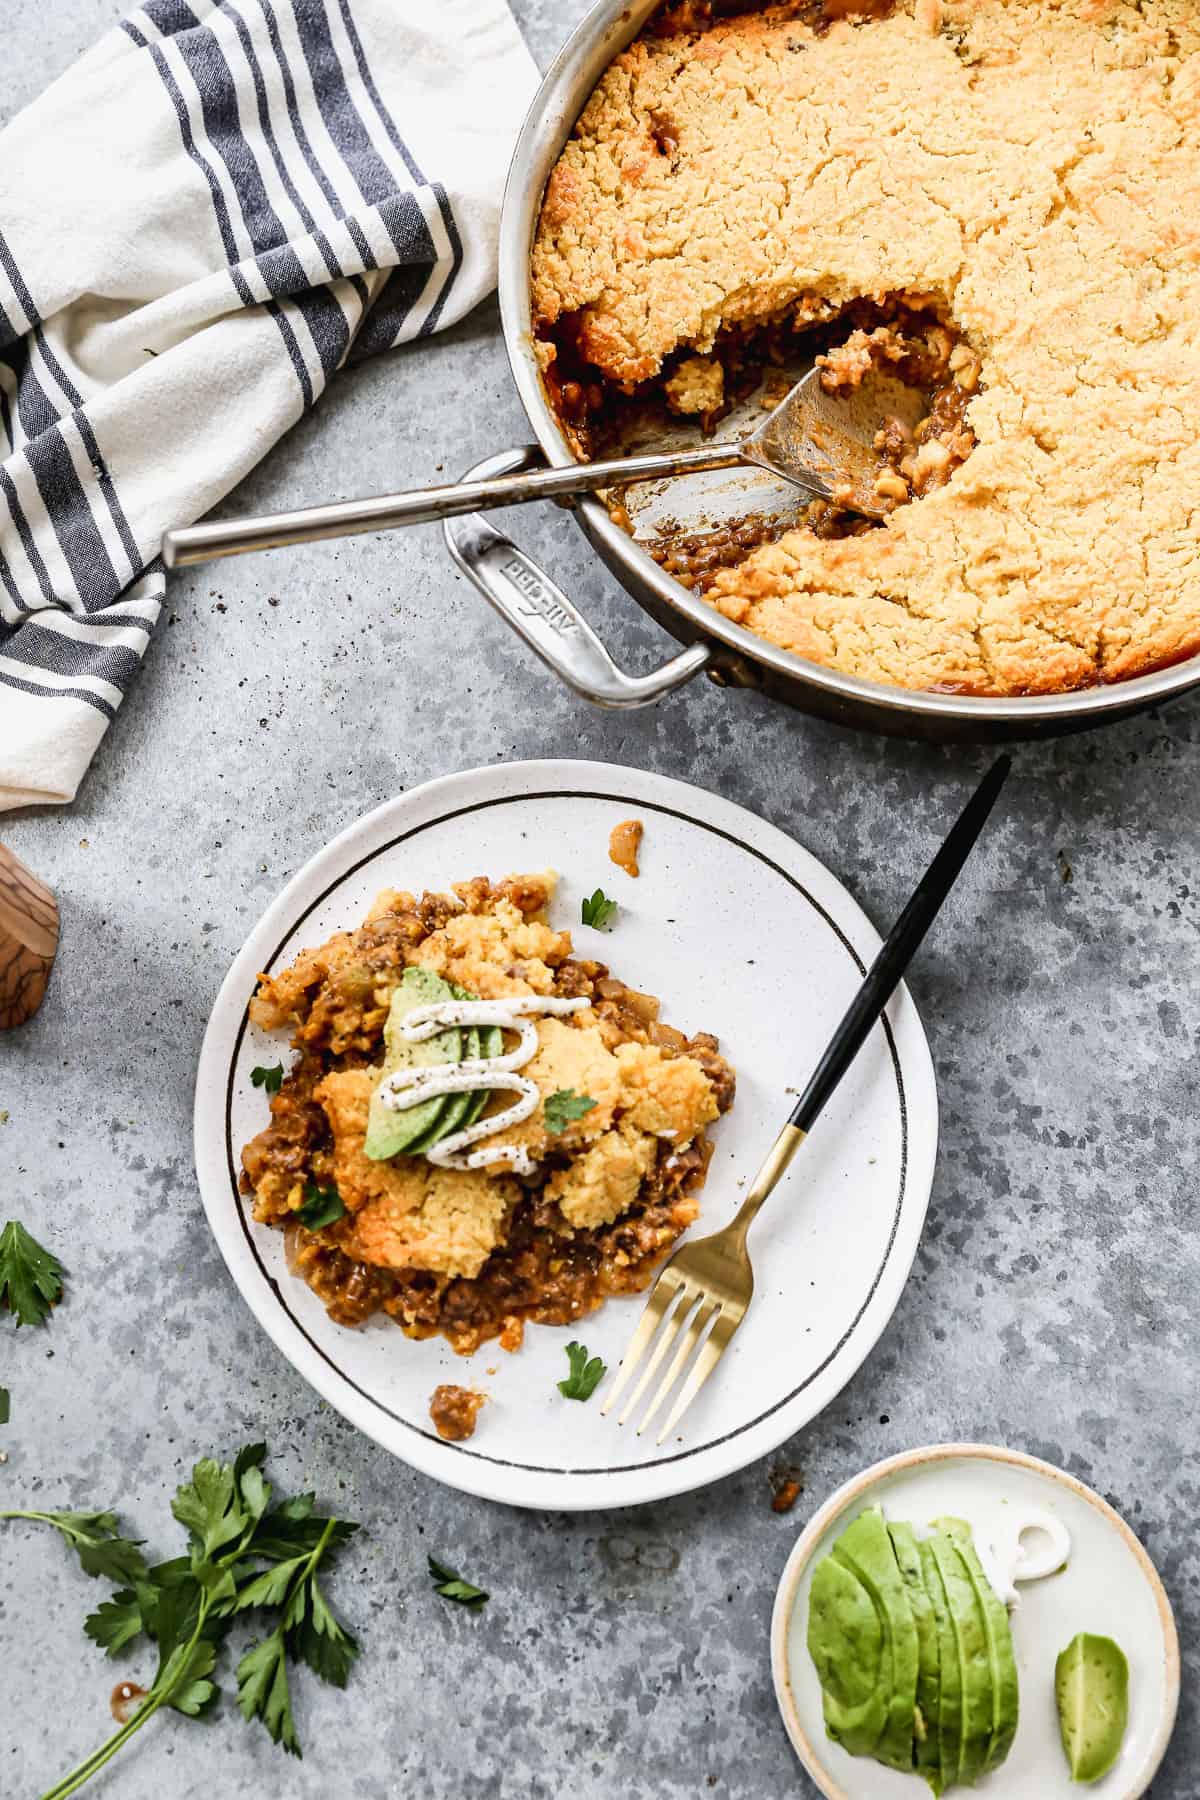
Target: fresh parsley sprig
<point>452,1587</point>
<point>563,1105</point>
<point>598,909</point>
<point>30,1277</point>
<point>586,1374</point>
<point>245,1554</point>
<point>320,1206</point>
<point>269,1079</point>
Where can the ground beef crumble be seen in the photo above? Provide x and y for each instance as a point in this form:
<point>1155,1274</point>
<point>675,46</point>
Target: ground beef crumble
<point>454,1411</point>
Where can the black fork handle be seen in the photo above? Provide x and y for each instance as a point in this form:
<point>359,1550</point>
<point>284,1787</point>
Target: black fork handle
<point>900,947</point>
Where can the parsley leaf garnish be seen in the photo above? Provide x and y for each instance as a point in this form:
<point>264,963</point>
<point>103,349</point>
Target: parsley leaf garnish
<point>5,1406</point>
<point>586,1374</point>
<point>96,1540</point>
<point>246,1553</point>
<point>115,1622</point>
<point>452,1587</point>
<point>30,1277</point>
<point>321,1206</point>
<point>564,1105</point>
<point>270,1079</point>
<point>598,909</point>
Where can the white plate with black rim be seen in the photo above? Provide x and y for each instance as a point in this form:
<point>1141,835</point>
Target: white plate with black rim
<point>740,932</point>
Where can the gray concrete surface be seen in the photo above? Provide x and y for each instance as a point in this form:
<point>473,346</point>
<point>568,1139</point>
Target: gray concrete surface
<point>1053,1305</point>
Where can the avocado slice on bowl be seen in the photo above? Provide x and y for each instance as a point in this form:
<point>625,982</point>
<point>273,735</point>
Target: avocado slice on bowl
<point>1005,1687</point>
<point>969,1646</point>
<point>1091,1689</point>
<point>949,1714</point>
<point>392,1133</point>
<point>847,1646</point>
<point>908,1561</point>
<point>865,1548</point>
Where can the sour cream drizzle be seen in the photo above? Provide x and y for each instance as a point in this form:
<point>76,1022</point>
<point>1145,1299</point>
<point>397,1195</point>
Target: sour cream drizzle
<point>409,1087</point>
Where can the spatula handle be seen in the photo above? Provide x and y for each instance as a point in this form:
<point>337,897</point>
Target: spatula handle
<point>900,947</point>
<point>384,512</point>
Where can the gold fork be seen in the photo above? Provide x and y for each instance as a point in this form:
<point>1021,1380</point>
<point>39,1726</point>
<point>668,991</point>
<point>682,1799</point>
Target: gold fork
<point>702,1293</point>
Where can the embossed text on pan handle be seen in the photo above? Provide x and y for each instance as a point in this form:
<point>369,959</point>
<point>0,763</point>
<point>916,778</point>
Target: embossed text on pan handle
<point>549,622</point>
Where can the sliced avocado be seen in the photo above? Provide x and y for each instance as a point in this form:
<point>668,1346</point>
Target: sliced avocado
<point>463,1109</point>
<point>846,1643</point>
<point>459,1105</point>
<point>908,1560</point>
<point>1091,1688</point>
<point>389,1133</point>
<point>1005,1689</point>
<point>974,1663</point>
<point>866,1549</point>
<point>948,1735</point>
<point>449,1118</point>
<point>491,1043</point>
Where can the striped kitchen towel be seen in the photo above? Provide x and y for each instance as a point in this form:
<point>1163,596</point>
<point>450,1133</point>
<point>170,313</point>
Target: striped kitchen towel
<point>200,223</point>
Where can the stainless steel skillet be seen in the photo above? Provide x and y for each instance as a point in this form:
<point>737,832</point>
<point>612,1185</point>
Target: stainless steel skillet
<point>730,655</point>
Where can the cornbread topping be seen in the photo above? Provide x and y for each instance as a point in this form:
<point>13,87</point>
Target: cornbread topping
<point>574,1203</point>
<point>1005,180</point>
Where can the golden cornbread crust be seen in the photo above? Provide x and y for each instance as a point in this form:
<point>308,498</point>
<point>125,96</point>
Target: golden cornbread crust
<point>474,1253</point>
<point>1031,170</point>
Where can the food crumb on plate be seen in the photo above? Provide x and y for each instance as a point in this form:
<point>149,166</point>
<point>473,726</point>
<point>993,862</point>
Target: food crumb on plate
<point>454,1411</point>
<point>624,842</point>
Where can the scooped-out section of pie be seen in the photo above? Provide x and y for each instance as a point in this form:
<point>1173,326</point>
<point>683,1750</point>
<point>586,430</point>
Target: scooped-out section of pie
<point>479,1129</point>
<point>989,196</point>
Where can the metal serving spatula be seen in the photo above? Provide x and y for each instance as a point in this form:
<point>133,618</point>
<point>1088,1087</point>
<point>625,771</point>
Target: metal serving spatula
<point>824,443</point>
<point>703,1292</point>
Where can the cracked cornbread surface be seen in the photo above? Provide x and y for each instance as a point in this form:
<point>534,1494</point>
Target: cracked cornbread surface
<point>1029,170</point>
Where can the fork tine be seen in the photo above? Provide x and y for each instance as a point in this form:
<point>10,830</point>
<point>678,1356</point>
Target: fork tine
<point>663,1294</point>
<point>711,1352</point>
<point>688,1338</point>
<point>674,1317</point>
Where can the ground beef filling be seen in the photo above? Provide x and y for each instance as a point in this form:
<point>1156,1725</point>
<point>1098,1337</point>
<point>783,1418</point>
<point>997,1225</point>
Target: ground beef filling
<point>544,1274</point>
<point>898,334</point>
<point>547,1270</point>
<point>689,18</point>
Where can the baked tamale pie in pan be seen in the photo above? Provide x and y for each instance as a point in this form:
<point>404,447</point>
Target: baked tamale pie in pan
<point>988,197</point>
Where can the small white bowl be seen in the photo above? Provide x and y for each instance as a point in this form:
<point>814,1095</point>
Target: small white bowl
<point>1109,1586</point>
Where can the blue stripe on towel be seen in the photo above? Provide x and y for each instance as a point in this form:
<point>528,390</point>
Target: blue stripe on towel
<point>68,658</point>
<point>374,180</point>
<point>83,549</point>
<point>104,480</point>
<point>276,260</point>
<point>438,191</point>
<point>52,689</point>
<point>352,225</point>
<point>268,130</point>
<point>9,490</point>
<point>224,225</point>
<point>8,263</point>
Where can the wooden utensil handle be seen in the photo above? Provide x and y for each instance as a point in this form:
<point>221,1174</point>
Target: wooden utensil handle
<point>28,940</point>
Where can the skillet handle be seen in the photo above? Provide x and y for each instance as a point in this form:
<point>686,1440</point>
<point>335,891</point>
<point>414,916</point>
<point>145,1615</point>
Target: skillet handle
<point>541,614</point>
